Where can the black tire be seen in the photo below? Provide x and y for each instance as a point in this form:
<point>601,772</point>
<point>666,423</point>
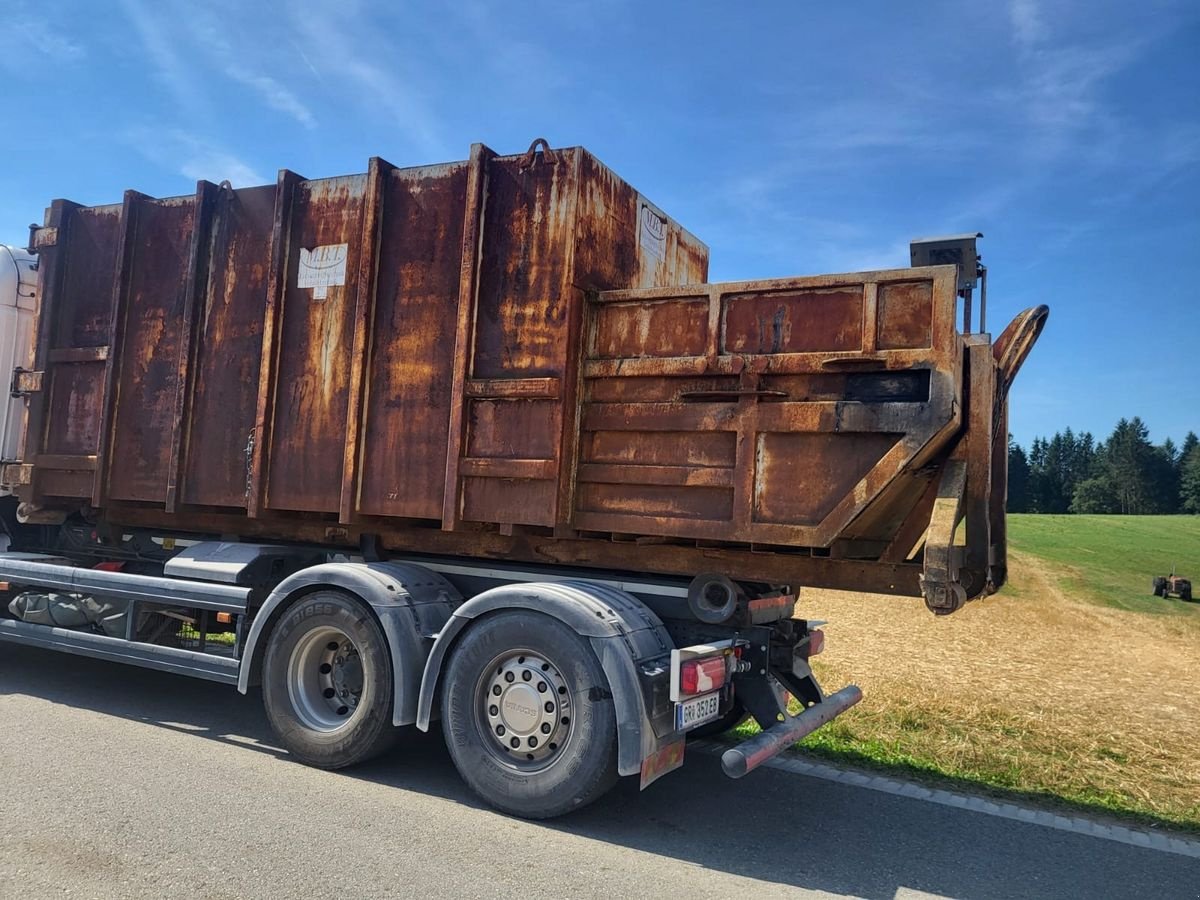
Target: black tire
<point>1160,587</point>
<point>572,723</point>
<point>1186,594</point>
<point>736,716</point>
<point>328,738</point>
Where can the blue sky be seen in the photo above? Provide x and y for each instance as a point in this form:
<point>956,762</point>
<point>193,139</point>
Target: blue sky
<point>794,138</point>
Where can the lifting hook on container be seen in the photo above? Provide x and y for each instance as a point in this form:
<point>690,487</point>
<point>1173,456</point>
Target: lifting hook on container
<point>530,156</point>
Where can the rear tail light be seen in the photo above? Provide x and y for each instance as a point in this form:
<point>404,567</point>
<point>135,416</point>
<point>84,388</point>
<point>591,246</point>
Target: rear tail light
<point>699,676</point>
<point>816,641</point>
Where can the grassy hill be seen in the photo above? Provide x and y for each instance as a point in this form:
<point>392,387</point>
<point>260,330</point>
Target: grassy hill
<point>1073,684</point>
<point>1112,559</point>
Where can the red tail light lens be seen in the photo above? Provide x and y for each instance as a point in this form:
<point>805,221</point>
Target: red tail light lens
<point>699,676</point>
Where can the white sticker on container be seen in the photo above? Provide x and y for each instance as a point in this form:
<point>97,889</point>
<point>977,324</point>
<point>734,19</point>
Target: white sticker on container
<point>322,268</point>
<point>653,233</point>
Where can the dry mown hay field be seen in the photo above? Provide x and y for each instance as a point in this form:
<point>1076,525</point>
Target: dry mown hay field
<point>1073,682</point>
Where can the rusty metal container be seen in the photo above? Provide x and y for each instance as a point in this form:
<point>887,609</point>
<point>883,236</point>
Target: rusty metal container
<point>509,356</point>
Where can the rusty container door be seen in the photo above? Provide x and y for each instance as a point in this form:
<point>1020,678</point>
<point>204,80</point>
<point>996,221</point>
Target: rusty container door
<point>409,382</point>
<point>77,267</point>
<point>769,412</point>
<point>154,297</point>
<point>312,324</point>
<point>229,334</point>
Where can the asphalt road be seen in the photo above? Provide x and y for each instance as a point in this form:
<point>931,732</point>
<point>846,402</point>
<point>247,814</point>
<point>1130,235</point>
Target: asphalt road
<point>123,782</point>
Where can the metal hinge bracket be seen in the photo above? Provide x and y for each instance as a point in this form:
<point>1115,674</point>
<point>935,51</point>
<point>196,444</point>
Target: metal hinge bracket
<point>44,237</point>
<point>25,382</point>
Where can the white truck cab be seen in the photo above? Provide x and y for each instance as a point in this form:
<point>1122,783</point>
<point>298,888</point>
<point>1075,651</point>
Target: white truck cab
<point>18,301</point>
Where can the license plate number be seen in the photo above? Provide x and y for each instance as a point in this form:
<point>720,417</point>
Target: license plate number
<point>697,711</point>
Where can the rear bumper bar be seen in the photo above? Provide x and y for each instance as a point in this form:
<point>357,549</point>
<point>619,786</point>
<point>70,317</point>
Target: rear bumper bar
<point>752,753</point>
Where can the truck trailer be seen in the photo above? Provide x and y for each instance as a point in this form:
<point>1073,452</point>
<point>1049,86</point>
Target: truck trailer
<point>479,442</point>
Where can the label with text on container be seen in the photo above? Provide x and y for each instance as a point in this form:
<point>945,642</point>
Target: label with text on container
<point>322,268</point>
<point>697,711</point>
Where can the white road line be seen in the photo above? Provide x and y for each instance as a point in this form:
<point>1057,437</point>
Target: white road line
<point>1149,840</point>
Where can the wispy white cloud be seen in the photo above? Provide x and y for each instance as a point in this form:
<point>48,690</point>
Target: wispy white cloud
<point>163,50</point>
<point>28,41</point>
<point>1027,23</point>
<point>205,27</point>
<point>187,43</point>
<point>367,67</point>
<point>192,156</point>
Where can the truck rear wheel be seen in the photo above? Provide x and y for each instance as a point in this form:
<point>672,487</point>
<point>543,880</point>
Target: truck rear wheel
<point>527,715</point>
<point>327,682</point>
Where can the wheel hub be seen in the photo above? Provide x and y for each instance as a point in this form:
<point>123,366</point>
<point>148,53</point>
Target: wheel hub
<point>526,707</point>
<point>325,679</point>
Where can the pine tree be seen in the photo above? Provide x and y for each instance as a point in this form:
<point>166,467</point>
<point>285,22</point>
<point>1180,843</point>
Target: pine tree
<point>1133,463</point>
<point>1189,480</point>
<point>1018,478</point>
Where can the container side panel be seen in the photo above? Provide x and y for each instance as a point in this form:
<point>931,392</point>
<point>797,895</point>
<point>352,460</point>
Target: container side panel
<point>905,315</point>
<point>85,307</point>
<point>651,500</point>
<point>801,477</point>
<point>522,311</point>
<point>606,251</point>
<point>408,385</point>
<point>511,429</point>
<point>76,401</point>
<point>522,324</point>
<point>794,322</point>
<point>763,412</point>
<point>84,310</point>
<point>648,329</point>
<point>625,241</point>
<point>230,349</point>
<point>309,433</point>
<point>66,482</point>
<point>148,370</point>
<point>709,449</point>
<point>651,389</point>
<point>516,501</point>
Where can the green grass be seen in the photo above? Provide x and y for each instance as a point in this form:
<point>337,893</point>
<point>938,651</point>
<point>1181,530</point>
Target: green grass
<point>1112,559</point>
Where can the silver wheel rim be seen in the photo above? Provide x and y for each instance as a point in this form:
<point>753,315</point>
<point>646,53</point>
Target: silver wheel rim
<point>524,709</point>
<point>325,679</point>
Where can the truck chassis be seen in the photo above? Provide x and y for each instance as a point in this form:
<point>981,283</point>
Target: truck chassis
<point>595,678</point>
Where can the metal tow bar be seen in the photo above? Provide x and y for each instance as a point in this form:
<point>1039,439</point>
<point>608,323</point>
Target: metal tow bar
<point>753,752</point>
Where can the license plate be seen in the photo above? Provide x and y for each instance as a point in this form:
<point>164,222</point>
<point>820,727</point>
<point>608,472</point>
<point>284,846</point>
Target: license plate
<point>697,711</point>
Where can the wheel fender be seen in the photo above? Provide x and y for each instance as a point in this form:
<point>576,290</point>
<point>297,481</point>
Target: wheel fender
<point>411,603</point>
<point>623,632</point>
